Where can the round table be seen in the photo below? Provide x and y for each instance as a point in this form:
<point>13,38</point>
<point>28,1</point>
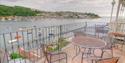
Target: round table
<point>89,43</point>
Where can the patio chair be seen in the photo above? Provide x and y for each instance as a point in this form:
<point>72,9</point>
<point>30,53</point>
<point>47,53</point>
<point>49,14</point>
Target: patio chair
<point>109,45</point>
<point>52,57</point>
<point>89,55</point>
<point>108,60</point>
<point>118,38</point>
<point>100,31</point>
<point>103,34</point>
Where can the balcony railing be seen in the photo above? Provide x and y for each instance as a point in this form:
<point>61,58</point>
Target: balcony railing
<point>30,39</point>
<point>117,26</point>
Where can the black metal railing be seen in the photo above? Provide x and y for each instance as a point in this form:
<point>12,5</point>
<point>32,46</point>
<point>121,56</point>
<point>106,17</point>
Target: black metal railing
<point>29,40</point>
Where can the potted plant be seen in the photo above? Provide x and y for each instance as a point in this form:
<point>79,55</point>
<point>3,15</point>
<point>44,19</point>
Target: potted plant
<point>15,55</point>
<point>61,43</point>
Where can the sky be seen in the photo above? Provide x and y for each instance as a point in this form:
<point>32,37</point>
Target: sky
<point>101,7</point>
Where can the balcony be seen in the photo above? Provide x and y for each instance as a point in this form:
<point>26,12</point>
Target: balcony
<point>24,46</point>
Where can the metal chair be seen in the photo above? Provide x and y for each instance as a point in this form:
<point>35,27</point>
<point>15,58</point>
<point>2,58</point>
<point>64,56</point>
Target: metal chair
<point>89,54</point>
<point>102,33</point>
<point>118,38</point>
<point>52,57</point>
<point>109,46</point>
<point>108,60</point>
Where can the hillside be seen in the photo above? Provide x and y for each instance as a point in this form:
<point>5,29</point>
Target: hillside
<point>16,11</point>
<point>23,11</point>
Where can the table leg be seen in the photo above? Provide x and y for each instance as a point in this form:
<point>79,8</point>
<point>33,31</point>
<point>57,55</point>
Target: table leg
<point>77,53</point>
<point>82,58</point>
<point>92,61</point>
<point>86,53</point>
<point>90,52</point>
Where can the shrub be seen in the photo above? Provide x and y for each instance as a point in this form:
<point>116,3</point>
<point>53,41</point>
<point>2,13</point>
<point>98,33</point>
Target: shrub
<point>15,56</point>
<point>62,42</point>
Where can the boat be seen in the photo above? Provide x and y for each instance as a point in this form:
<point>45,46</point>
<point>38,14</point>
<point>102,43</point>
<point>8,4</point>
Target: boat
<point>29,30</point>
<point>18,37</point>
<point>12,41</point>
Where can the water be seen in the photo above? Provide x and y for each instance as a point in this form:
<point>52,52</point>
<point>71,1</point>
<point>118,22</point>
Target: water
<point>12,26</point>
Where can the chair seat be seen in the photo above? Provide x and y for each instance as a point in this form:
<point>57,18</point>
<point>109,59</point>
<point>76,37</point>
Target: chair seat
<point>118,34</point>
<point>56,57</point>
<point>53,56</point>
<point>108,60</point>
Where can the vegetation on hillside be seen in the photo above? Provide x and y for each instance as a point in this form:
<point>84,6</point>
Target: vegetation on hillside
<point>23,11</point>
<point>16,11</point>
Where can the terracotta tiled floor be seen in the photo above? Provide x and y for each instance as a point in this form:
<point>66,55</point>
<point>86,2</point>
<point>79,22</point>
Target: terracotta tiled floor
<point>71,53</point>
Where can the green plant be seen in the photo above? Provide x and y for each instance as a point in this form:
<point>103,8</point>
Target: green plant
<point>52,48</point>
<point>62,42</point>
<point>15,55</point>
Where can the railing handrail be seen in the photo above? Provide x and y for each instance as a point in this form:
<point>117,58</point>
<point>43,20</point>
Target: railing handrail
<point>29,28</point>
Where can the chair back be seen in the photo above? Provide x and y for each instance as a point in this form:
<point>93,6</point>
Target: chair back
<point>44,51</point>
<point>44,48</point>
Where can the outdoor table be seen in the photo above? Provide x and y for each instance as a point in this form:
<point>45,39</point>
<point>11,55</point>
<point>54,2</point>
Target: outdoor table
<point>88,43</point>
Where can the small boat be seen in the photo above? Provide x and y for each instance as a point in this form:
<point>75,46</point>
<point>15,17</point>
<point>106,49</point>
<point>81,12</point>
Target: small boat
<point>12,41</point>
<point>28,30</point>
<point>16,39</point>
<point>22,28</point>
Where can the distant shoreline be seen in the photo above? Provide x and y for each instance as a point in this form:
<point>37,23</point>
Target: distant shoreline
<point>27,18</point>
<point>18,13</point>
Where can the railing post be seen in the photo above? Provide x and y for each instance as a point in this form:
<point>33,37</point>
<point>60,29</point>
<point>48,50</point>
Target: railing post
<point>85,27</point>
<point>60,31</point>
<point>36,39</point>
<point>5,56</point>
<point>2,56</point>
<point>0,59</point>
<point>96,30</point>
